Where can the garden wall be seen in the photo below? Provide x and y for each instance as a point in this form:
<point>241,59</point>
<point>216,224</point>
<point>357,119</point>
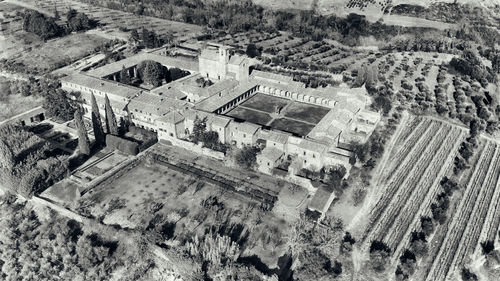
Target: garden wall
<point>197,148</point>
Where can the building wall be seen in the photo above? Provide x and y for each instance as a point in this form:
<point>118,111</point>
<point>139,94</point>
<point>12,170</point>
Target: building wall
<point>241,139</point>
<point>212,69</point>
<point>170,131</point>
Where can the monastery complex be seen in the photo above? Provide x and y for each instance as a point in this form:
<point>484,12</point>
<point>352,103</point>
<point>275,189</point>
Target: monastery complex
<point>244,107</point>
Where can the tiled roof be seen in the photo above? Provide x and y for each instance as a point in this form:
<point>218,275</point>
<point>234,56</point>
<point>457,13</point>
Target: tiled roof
<point>212,119</point>
<point>271,154</point>
<point>102,85</point>
<point>173,117</point>
<point>321,199</point>
<point>155,104</point>
<point>220,121</point>
<point>214,102</point>
<point>117,66</point>
<point>311,145</point>
<point>271,76</point>
<point>274,136</point>
<point>237,59</point>
<point>244,127</point>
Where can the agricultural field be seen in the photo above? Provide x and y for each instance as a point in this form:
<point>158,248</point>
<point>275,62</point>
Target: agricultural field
<point>425,83</point>
<point>327,54</point>
<point>411,184</point>
<point>27,49</point>
<point>70,48</point>
<point>117,23</point>
<point>474,221</point>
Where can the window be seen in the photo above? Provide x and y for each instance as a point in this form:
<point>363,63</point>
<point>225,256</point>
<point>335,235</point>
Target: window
<point>304,153</point>
<point>244,135</point>
<point>171,134</point>
<point>314,156</point>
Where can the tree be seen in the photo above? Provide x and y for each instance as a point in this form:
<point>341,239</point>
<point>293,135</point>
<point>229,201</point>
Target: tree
<point>247,157</point>
<point>96,122</point>
<point>111,124</point>
<point>359,150</point>
<point>379,255</point>
<point>124,76</point>
<point>151,72</point>
<point>58,104</point>
<point>427,225</point>
<point>252,51</point>
<point>83,138</point>
<point>199,128</point>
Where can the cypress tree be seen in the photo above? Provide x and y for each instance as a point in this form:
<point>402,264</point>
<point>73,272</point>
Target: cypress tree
<point>97,123</point>
<point>111,125</point>
<point>83,138</point>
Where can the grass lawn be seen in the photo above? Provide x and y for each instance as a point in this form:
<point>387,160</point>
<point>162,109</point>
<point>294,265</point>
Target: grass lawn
<point>306,112</point>
<point>250,115</point>
<point>291,126</point>
<point>265,102</point>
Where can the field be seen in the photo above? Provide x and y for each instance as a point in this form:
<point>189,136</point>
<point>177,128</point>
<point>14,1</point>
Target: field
<point>69,48</point>
<point>281,114</point>
<point>422,154</point>
<point>21,47</point>
<point>327,54</point>
<point>114,20</point>
<point>474,220</point>
<point>159,192</point>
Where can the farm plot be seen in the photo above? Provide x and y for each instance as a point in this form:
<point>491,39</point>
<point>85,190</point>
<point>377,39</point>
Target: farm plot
<point>403,181</point>
<point>462,235</point>
<point>114,20</point>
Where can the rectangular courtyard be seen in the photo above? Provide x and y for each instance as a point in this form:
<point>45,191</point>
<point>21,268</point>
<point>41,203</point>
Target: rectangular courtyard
<point>279,113</point>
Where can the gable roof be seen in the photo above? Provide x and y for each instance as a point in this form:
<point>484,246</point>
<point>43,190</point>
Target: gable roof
<point>244,127</point>
<point>102,85</point>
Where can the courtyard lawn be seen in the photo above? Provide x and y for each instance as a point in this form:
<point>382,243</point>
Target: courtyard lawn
<point>291,126</point>
<point>265,102</point>
<point>306,112</point>
<point>250,115</point>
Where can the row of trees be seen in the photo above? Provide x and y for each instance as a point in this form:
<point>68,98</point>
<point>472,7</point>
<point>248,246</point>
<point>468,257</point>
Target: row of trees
<point>46,27</point>
<point>147,38</point>
<point>99,134</point>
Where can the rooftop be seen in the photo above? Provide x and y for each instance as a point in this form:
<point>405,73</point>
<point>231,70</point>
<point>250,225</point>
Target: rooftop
<point>106,86</point>
<point>214,102</point>
<point>155,104</point>
<point>274,136</point>
<point>244,127</point>
<point>321,200</point>
<point>172,117</point>
<point>271,154</point>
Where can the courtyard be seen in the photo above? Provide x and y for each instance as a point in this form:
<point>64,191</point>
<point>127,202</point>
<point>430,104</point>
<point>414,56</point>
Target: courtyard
<point>279,113</point>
